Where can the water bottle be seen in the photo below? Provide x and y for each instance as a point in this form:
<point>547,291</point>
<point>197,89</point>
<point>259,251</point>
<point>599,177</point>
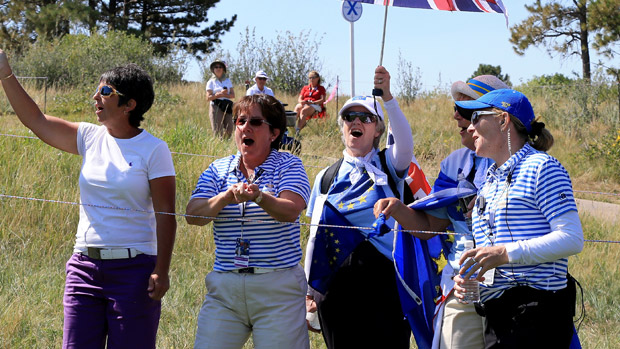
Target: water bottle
<point>465,186</point>
<point>471,285</point>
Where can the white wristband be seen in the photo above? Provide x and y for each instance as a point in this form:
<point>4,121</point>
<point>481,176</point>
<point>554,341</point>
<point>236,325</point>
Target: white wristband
<point>259,198</point>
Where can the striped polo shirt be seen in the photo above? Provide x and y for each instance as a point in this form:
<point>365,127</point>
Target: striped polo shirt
<point>517,202</point>
<point>272,244</point>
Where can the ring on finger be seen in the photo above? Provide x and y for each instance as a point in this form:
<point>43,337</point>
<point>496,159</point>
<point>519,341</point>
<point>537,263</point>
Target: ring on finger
<point>475,261</point>
<point>379,81</point>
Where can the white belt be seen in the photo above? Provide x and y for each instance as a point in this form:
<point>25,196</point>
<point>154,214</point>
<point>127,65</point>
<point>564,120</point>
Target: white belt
<point>110,253</point>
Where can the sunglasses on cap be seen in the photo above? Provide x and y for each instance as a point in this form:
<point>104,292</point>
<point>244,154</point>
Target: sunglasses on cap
<point>464,113</point>
<point>107,91</point>
<point>254,122</point>
<point>475,116</point>
<point>365,117</point>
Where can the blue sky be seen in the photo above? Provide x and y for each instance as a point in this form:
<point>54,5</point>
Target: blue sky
<point>446,46</point>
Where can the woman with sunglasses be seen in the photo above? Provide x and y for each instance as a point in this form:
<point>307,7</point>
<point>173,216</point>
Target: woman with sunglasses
<point>220,94</point>
<point>310,100</point>
<point>118,272</point>
<point>458,324</point>
<point>525,226</point>
<point>361,307</point>
<point>257,285</point>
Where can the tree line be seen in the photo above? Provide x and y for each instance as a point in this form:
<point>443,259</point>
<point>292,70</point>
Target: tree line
<point>165,23</point>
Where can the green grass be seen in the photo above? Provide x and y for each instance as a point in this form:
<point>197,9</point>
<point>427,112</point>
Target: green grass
<point>36,238</point>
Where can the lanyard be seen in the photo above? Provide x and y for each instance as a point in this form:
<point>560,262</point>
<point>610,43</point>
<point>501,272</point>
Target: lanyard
<point>254,178</point>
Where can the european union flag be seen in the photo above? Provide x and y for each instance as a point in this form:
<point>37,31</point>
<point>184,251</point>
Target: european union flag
<point>419,264</point>
<point>332,246</point>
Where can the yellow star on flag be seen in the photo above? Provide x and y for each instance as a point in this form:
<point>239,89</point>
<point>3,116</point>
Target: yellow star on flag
<point>340,205</point>
<point>362,199</point>
<point>441,262</point>
<point>350,206</point>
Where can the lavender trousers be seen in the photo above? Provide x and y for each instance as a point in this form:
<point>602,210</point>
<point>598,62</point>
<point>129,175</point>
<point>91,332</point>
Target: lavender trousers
<point>107,300</point>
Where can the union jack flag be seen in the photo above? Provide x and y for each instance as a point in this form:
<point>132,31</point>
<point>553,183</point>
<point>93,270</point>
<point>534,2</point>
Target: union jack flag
<point>495,6</point>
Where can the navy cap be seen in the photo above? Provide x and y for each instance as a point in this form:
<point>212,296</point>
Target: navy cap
<point>511,101</point>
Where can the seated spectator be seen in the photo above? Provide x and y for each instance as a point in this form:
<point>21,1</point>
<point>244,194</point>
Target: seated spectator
<point>310,101</point>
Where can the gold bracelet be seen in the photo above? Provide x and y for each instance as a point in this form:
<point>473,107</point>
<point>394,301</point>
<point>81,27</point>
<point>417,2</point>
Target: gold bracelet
<point>8,77</point>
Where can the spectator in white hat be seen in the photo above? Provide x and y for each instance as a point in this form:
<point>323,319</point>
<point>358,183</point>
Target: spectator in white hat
<point>346,309</point>
<point>259,87</point>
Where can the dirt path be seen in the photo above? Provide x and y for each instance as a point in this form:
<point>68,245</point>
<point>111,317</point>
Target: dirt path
<point>601,210</point>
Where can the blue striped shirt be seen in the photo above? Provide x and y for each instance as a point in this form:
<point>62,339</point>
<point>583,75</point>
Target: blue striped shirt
<point>272,244</point>
<point>521,197</point>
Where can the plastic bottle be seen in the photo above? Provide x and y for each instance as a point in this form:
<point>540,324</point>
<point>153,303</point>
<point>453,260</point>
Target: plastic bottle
<point>471,285</point>
<point>464,186</point>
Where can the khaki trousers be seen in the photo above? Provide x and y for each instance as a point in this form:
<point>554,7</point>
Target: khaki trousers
<point>269,306</point>
<point>462,327</point>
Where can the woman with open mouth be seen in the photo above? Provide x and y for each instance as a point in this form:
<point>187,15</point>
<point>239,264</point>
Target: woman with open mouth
<point>359,306</point>
<point>118,272</point>
<point>257,285</point>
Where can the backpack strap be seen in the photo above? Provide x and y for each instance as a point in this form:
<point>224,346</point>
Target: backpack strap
<point>391,181</point>
<point>330,175</point>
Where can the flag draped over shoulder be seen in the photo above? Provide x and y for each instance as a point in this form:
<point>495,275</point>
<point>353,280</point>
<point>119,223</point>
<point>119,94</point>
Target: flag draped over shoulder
<point>332,246</point>
<point>492,6</point>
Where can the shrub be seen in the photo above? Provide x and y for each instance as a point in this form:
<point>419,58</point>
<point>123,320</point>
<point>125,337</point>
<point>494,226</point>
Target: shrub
<point>409,80</point>
<point>76,60</point>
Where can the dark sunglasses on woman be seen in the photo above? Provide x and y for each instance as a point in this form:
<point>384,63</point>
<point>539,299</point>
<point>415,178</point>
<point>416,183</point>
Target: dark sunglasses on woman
<point>366,118</point>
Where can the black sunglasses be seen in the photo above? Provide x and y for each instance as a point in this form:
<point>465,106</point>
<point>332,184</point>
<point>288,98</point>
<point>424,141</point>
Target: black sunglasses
<point>465,113</point>
<point>254,122</point>
<point>366,118</point>
<point>107,91</point>
<point>261,78</point>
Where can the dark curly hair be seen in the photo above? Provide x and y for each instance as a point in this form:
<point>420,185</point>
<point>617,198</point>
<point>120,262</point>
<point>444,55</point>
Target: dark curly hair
<point>272,111</point>
<point>134,83</point>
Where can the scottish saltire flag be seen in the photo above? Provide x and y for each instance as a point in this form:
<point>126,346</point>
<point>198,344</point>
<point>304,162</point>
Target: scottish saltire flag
<point>331,247</point>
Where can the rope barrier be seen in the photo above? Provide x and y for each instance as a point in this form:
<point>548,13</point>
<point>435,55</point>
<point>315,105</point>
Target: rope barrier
<point>73,203</point>
<point>190,154</point>
<point>316,156</point>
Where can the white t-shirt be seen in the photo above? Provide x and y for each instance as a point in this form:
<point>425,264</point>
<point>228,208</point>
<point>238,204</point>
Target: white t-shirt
<point>255,90</point>
<point>115,173</point>
<point>216,85</point>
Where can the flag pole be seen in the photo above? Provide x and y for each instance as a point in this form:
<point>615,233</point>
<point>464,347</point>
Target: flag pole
<point>377,91</point>
<point>383,40</point>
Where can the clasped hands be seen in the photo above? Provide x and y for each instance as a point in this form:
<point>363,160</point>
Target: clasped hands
<point>243,192</point>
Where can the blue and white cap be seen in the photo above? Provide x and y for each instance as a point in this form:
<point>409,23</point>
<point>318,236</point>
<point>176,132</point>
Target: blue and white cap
<point>511,101</point>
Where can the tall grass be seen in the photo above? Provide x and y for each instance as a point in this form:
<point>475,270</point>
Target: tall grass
<point>36,238</point>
